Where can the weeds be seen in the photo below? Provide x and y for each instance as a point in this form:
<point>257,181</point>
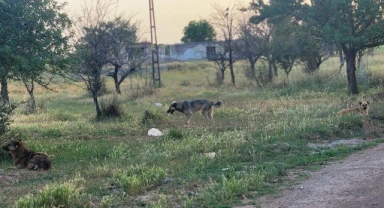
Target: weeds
<point>68,194</point>
<point>136,179</point>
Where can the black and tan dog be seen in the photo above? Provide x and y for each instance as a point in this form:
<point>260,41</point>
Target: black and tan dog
<point>190,107</point>
<point>362,109</point>
<point>25,158</point>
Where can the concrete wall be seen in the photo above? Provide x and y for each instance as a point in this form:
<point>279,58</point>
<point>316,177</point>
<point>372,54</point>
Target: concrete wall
<point>185,51</point>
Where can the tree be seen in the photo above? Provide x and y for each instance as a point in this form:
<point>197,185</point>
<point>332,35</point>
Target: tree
<point>36,37</point>
<point>92,56</point>
<point>224,20</point>
<point>198,31</point>
<point>286,41</point>
<point>124,50</point>
<point>250,39</point>
<point>351,25</point>
<point>93,47</point>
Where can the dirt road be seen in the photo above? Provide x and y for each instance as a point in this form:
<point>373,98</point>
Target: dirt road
<point>355,182</point>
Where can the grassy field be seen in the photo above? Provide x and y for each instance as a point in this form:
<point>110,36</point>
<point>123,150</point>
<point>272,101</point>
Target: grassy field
<point>258,142</point>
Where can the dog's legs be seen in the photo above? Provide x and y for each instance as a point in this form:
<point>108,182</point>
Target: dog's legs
<point>189,116</point>
<point>205,114</point>
<point>210,115</point>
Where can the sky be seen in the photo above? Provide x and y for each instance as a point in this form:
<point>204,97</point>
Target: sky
<point>171,15</point>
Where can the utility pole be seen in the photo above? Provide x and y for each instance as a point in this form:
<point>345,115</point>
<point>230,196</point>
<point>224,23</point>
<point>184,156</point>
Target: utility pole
<point>154,48</point>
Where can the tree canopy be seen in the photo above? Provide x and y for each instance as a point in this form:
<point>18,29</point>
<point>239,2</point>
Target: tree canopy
<point>33,35</point>
<point>350,25</point>
<point>198,31</point>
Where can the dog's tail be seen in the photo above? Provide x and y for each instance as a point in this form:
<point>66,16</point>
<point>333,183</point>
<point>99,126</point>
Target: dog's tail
<point>218,104</point>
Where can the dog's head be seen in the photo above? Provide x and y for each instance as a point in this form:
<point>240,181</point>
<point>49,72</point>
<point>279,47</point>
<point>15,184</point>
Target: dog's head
<point>13,145</point>
<point>172,107</point>
<point>364,105</point>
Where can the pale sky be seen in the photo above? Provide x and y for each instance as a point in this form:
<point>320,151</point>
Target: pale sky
<point>171,15</point>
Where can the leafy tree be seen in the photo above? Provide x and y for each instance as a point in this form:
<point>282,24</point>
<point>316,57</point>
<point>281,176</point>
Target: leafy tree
<point>286,39</point>
<point>123,51</point>
<point>92,55</point>
<point>351,25</point>
<point>93,47</point>
<point>35,38</point>
<point>250,40</point>
<point>198,31</point>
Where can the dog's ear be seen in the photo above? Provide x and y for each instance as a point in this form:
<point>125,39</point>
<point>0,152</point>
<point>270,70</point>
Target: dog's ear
<point>360,103</point>
<point>367,102</point>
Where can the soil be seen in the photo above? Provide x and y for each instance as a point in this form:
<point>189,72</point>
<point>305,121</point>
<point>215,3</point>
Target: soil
<point>354,182</point>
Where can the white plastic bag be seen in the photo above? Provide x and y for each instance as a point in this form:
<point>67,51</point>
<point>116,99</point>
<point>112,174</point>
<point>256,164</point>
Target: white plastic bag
<point>154,132</point>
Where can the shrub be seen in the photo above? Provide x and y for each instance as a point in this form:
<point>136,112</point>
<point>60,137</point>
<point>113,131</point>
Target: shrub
<point>111,108</point>
<point>6,111</point>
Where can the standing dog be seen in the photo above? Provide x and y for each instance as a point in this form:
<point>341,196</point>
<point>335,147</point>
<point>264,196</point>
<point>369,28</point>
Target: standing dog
<point>190,107</point>
<point>362,109</point>
<point>25,158</point>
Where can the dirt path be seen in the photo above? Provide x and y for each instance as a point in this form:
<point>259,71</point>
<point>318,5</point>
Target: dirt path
<point>355,182</point>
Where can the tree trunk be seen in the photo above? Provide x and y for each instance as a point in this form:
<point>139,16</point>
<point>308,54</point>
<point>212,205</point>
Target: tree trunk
<point>117,85</point>
<point>274,68</point>
<point>350,57</point>
<point>253,68</point>
<point>270,70</point>
<point>32,102</point>
<point>4,89</point>
<point>96,102</point>
<point>231,66</point>
<point>222,73</point>
<point>232,73</point>
<point>116,80</point>
<point>341,60</point>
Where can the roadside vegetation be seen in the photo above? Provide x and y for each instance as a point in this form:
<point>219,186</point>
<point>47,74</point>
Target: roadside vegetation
<point>258,142</point>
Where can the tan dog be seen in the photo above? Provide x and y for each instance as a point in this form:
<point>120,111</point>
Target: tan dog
<point>190,107</point>
<point>25,158</point>
<point>362,109</point>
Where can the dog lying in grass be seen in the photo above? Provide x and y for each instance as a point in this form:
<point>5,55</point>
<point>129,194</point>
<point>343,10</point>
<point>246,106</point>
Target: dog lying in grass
<point>25,158</point>
<point>190,107</point>
<point>362,109</point>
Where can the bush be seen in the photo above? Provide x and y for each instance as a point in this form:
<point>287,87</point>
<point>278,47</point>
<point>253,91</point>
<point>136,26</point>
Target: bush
<point>6,111</point>
<point>111,108</point>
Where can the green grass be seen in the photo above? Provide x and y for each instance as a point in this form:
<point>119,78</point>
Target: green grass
<point>259,136</point>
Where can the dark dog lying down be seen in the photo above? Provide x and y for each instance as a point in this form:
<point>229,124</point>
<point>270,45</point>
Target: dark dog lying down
<point>25,158</point>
